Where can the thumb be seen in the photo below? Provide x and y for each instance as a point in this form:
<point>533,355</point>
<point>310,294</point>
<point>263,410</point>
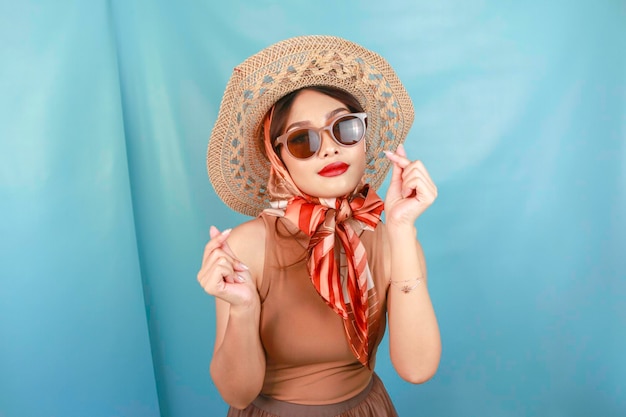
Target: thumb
<point>219,236</point>
<point>396,170</point>
<point>226,248</point>
<point>400,150</point>
<point>239,266</point>
<point>396,174</point>
<point>213,232</point>
<point>223,244</point>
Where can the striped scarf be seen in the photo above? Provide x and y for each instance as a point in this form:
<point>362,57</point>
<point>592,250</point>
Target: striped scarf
<point>337,261</point>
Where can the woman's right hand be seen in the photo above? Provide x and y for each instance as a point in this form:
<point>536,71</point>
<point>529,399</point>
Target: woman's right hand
<point>223,275</point>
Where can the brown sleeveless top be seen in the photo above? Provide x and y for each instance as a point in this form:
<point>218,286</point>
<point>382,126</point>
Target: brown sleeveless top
<point>308,359</point>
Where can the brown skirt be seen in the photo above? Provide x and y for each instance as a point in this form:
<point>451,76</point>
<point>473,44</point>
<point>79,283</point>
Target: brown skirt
<point>373,401</point>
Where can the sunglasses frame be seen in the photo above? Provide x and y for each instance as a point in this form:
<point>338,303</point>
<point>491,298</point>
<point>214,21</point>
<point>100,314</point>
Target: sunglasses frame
<point>282,139</point>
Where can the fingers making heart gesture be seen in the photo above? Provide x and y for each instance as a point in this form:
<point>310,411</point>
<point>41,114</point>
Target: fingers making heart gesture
<point>411,190</point>
<point>223,275</point>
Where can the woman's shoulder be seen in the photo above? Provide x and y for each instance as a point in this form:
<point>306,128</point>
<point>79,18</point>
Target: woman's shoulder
<point>247,242</point>
<point>248,235</point>
<point>250,228</point>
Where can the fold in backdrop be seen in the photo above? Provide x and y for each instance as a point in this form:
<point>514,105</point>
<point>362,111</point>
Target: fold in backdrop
<point>105,205</point>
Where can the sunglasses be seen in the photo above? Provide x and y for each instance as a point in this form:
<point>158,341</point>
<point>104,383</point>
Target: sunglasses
<point>345,129</point>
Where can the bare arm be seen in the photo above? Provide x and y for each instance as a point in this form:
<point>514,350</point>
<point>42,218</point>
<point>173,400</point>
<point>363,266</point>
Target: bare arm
<point>230,272</point>
<point>414,339</point>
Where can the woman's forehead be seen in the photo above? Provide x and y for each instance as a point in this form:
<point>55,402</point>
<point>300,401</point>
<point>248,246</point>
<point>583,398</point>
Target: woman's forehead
<point>312,106</point>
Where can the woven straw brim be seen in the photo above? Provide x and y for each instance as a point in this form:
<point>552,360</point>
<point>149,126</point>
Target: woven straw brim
<point>237,166</point>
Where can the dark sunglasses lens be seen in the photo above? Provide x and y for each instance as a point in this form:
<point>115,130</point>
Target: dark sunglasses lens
<point>349,130</point>
<point>303,143</point>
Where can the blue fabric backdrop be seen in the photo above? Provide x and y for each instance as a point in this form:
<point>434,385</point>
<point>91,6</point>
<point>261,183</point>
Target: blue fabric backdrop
<point>105,205</point>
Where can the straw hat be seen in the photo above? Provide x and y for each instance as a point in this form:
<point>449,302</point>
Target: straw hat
<point>237,165</point>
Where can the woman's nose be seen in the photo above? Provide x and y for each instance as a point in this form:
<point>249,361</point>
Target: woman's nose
<point>328,146</point>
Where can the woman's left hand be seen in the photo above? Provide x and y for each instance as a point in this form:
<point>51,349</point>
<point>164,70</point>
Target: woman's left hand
<point>411,190</point>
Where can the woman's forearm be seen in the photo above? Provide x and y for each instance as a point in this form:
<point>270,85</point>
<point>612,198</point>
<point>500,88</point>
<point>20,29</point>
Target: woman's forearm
<point>414,340</point>
<point>238,364</point>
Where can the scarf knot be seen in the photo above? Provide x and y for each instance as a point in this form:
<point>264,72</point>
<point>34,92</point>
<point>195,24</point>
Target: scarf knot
<point>344,211</point>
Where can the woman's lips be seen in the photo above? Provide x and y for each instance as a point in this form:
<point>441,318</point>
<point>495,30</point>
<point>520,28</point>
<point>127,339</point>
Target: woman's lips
<point>334,169</point>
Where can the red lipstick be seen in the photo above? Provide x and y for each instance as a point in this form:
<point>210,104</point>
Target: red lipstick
<point>334,169</point>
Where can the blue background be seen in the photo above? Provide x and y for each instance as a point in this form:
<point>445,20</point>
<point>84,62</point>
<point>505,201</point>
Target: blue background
<point>105,205</point>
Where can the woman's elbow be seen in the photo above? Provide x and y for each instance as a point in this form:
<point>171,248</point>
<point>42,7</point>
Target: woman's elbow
<point>237,399</point>
<point>240,405</point>
<point>235,394</point>
<point>417,372</point>
<point>417,376</point>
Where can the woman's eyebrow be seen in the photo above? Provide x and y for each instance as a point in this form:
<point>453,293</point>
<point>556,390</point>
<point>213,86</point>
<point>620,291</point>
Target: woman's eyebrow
<point>335,112</point>
<point>328,116</point>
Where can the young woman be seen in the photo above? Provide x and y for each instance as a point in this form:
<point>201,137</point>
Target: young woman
<point>305,134</point>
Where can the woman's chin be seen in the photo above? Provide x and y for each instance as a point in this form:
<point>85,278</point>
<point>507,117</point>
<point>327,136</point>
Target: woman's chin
<point>333,190</point>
